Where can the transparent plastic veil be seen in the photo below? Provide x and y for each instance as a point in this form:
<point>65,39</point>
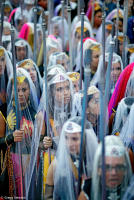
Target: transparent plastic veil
<point>60,109</point>
<point>120,87</point>
<point>40,120</point>
<point>122,113</point>
<point>56,29</point>
<point>76,20</point>
<point>129,194</point>
<point>27,107</point>
<point>59,58</point>
<point>54,69</point>
<point>37,79</point>
<point>34,172</point>
<point>22,42</point>
<point>6,70</point>
<point>88,45</point>
<point>127,132</point>
<point>93,106</point>
<point>77,29</point>
<point>67,158</point>
<point>52,45</point>
<point>101,72</point>
<point>114,149</point>
<point>130,85</point>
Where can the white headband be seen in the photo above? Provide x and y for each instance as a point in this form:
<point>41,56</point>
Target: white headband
<point>72,127</point>
<point>115,151</point>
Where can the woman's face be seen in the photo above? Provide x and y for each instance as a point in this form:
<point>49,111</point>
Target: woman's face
<point>115,171</point>
<point>31,70</point>
<point>115,71</point>
<point>98,19</point>
<point>120,25</point>
<point>63,62</point>
<point>62,93</point>
<point>95,60</point>
<point>56,30</point>
<point>2,64</point>
<point>93,109</point>
<point>23,93</point>
<point>76,86</point>
<point>21,53</point>
<point>73,142</point>
<point>7,11</point>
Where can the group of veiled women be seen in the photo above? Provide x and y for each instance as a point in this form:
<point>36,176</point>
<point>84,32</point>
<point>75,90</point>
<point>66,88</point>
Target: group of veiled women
<point>54,119</point>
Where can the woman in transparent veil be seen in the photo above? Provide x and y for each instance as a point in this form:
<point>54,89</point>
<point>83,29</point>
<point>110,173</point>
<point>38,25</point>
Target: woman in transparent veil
<point>120,88</point>
<point>127,132</point>
<point>6,70</point>
<point>116,69</point>
<point>118,171</point>
<point>63,182</point>
<point>30,66</point>
<point>59,58</point>
<point>60,94</point>
<point>76,36</point>
<point>27,108</point>
<point>122,113</point>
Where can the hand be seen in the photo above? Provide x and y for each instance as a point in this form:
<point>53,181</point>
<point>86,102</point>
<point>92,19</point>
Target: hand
<point>18,135</point>
<point>47,141</point>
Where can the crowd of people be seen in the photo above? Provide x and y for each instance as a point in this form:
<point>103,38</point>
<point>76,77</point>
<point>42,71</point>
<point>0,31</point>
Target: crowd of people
<point>67,99</point>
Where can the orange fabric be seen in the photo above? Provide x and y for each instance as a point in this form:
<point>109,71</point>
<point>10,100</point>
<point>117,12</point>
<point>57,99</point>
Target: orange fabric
<point>46,166</point>
<point>131,156</point>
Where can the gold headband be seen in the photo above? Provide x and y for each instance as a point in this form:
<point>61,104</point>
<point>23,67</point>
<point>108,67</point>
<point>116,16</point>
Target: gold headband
<point>26,64</point>
<point>95,47</point>
<point>1,52</point>
<point>78,30</point>
<point>120,38</point>
<point>20,79</point>
<point>97,7</point>
<point>109,27</point>
<point>120,15</point>
<point>131,49</point>
<point>74,76</point>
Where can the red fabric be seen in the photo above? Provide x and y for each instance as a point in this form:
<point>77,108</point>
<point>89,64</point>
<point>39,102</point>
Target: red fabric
<point>11,14</point>
<point>43,5</point>
<point>24,32</point>
<point>120,88</point>
<point>89,38</point>
<point>89,10</point>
